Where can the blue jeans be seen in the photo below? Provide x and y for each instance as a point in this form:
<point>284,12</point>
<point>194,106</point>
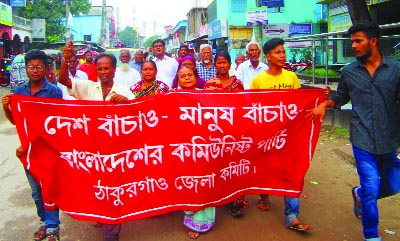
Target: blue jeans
<point>292,207</point>
<point>50,217</point>
<point>379,177</point>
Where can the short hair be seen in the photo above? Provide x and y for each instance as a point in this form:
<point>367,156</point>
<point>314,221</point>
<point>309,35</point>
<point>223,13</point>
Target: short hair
<point>184,46</point>
<point>125,50</point>
<point>158,41</point>
<point>202,46</point>
<point>139,50</point>
<point>223,54</point>
<point>238,55</point>
<point>106,55</point>
<point>271,44</point>
<point>35,54</point>
<point>87,52</point>
<point>370,29</point>
<point>151,62</point>
<point>252,42</point>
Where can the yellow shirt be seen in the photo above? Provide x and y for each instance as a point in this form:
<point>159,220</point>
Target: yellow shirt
<point>285,80</point>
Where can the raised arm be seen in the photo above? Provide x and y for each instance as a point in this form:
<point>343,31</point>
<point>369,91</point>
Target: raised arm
<point>68,51</point>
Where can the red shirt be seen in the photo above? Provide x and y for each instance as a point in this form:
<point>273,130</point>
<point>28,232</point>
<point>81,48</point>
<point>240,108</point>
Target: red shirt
<point>90,70</point>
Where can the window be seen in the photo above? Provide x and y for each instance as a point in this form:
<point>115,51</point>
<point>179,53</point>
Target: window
<point>87,37</point>
<point>238,6</point>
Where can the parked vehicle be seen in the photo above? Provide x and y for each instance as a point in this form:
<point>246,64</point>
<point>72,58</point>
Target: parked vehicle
<point>18,74</point>
<point>5,72</point>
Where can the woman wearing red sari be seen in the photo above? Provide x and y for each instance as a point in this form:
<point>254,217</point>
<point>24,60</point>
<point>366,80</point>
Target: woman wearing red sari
<point>222,81</point>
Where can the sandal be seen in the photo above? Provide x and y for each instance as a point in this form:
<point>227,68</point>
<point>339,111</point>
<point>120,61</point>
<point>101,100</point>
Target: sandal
<point>40,234</point>
<point>98,225</point>
<point>263,204</point>
<point>356,202</point>
<point>193,235</point>
<point>235,212</point>
<point>297,226</point>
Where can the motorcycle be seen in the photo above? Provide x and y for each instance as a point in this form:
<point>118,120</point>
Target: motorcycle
<point>5,72</point>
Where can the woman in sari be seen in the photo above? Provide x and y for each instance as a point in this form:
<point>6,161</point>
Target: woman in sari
<point>190,62</point>
<point>202,220</point>
<point>149,85</point>
<point>222,81</point>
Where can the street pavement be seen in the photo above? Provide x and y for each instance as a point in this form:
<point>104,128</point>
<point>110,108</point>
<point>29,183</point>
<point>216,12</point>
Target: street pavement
<point>326,204</point>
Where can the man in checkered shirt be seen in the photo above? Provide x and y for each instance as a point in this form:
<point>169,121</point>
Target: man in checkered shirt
<point>205,67</point>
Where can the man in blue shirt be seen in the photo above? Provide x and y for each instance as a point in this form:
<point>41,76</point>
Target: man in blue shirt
<point>35,62</point>
<point>372,83</point>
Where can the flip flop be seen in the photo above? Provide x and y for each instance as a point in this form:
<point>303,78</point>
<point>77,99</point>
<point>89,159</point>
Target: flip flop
<point>356,203</point>
<point>297,226</point>
<point>193,235</point>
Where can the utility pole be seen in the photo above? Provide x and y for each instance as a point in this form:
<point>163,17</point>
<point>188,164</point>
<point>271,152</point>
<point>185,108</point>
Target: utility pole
<point>358,10</point>
<point>103,33</point>
<point>68,34</point>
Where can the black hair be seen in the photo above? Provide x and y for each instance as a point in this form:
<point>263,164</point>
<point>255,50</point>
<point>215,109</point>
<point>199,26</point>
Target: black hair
<point>106,55</point>
<point>152,62</point>
<point>158,41</point>
<point>184,46</point>
<point>86,52</point>
<point>271,44</point>
<point>223,54</point>
<point>36,54</point>
<point>370,29</point>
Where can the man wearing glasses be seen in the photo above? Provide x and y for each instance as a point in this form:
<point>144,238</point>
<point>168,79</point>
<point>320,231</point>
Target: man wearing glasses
<point>35,61</point>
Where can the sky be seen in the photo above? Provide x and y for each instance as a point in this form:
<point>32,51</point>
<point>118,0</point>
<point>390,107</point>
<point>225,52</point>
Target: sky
<point>151,15</point>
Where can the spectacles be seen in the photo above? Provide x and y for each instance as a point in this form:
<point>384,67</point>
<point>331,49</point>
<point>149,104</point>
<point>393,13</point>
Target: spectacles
<point>38,67</point>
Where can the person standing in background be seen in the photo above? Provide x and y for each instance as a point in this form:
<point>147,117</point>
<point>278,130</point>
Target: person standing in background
<point>88,66</point>
<point>166,66</point>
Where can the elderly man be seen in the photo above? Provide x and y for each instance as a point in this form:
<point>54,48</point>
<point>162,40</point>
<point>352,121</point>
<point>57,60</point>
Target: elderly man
<point>251,67</point>
<point>137,61</point>
<point>125,75</point>
<point>73,72</point>
<point>166,66</point>
<point>205,66</point>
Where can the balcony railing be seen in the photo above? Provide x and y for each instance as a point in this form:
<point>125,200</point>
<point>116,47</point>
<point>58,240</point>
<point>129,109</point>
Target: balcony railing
<point>22,22</point>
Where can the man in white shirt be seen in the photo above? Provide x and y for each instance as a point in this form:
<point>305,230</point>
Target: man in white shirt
<point>251,67</point>
<point>125,75</point>
<point>73,72</point>
<point>166,66</point>
<point>105,89</point>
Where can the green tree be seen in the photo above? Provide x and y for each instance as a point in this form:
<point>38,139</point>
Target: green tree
<point>150,40</point>
<point>129,37</point>
<point>54,13</point>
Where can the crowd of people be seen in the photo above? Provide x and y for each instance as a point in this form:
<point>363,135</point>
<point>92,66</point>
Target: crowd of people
<point>370,83</point>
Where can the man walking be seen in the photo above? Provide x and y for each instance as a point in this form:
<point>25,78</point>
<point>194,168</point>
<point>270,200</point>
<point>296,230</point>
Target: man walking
<point>89,67</point>
<point>372,84</point>
<point>251,67</point>
<point>38,86</point>
<point>125,75</point>
<point>278,78</point>
<point>166,66</point>
<point>205,67</point>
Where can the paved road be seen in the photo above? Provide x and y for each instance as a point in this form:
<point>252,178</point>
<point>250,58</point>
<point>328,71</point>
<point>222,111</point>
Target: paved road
<point>326,204</point>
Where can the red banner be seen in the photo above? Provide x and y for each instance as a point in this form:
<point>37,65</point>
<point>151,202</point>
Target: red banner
<point>106,162</point>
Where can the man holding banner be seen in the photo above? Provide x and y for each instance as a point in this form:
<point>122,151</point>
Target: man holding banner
<point>278,78</point>
<point>106,90</point>
<point>37,86</point>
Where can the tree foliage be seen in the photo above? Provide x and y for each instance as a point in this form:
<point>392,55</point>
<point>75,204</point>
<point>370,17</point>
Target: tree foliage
<point>150,40</point>
<point>129,37</point>
<point>53,11</point>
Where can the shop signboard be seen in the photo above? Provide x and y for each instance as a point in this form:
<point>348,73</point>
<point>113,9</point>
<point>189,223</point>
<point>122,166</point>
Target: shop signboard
<point>18,3</point>
<point>218,29</point>
<point>304,28</point>
<point>5,14</point>
<point>279,30</point>
<point>257,16</point>
<point>273,3</point>
<point>38,30</point>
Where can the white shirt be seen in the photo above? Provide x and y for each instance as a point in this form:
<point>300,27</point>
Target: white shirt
<point>166,69</point>
<point>245,72</point>
<point>89,90</point>
<point>79,75</point>
<point>126,78</point>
